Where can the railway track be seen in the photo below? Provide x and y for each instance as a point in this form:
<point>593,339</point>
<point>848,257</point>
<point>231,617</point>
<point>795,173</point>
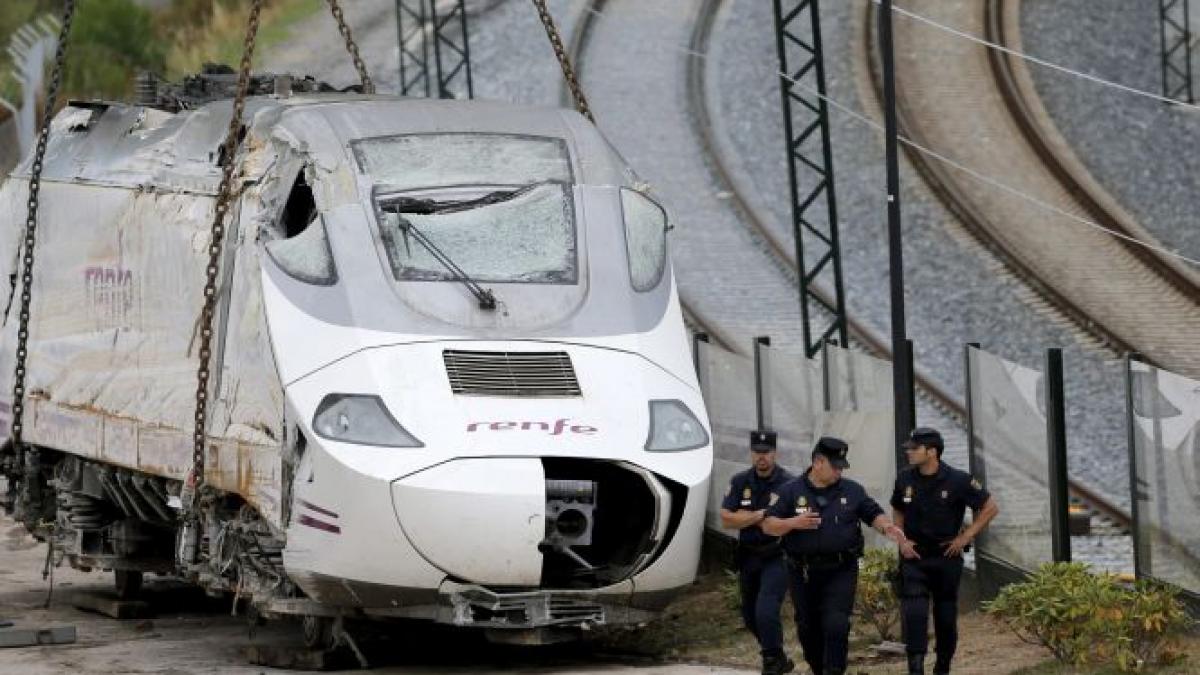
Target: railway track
<point>1108,288</point>
<point>1112,517</point>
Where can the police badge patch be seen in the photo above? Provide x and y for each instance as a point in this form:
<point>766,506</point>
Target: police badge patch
<point>975,484</point>
<point>774,498</point>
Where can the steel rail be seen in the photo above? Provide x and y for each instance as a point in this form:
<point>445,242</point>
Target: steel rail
<point>1006,68</point>
<point>869,338</point>
<point>937,178</point>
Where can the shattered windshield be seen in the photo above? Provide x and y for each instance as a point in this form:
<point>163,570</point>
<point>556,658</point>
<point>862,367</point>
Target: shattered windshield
<point>437,160</point>
<point>526,238</point>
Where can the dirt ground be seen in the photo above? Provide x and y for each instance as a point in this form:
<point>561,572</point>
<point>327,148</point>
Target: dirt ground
<point>701,633</point>
<point>705,627</point>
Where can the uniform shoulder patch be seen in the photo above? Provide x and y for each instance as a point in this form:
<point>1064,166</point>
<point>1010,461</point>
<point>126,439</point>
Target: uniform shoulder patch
<point>976,484</point>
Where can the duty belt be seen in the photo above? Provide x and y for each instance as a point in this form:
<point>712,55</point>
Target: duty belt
<point>763,550</point>
<point>926,550</point>
<point>803,561</point>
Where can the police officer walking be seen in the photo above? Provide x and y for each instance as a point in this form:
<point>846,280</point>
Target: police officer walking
<point>762,578</point>
<point>928,502</point>
<point>818,516</point>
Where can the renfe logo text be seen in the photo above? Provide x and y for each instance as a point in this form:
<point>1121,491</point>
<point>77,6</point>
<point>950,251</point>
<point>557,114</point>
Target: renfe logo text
<point>555,429</point>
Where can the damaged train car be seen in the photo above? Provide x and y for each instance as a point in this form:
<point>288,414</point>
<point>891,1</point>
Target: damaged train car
<point>451,375</point>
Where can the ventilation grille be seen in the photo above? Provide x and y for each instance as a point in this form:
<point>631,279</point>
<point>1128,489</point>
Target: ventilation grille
<point>532,374</point>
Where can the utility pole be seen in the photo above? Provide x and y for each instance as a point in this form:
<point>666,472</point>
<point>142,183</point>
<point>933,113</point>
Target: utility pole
<point>1175,48</point>
<point>810,173</point>
<point>902,386</point>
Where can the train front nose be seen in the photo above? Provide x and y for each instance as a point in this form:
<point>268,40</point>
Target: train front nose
<point>480,520</point>
<point>535,522</point>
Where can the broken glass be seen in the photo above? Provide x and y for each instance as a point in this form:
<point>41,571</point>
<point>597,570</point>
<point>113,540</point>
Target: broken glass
<point>438,160</point>
<point>527,239</point>
<point>306,256</point>
<point>645,239</point>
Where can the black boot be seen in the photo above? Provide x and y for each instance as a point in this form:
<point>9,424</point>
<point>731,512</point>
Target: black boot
<point>777,665</point>
<point>942,665</point>
<point>916,664</point>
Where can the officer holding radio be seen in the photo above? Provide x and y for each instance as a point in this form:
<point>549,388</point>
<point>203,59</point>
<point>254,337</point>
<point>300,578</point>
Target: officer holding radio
<point>818,516</point>
<point>762,578</point>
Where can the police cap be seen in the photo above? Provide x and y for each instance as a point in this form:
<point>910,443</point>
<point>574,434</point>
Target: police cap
<point>834,449</point>
<point>762,441</point>
<point>927,436</point>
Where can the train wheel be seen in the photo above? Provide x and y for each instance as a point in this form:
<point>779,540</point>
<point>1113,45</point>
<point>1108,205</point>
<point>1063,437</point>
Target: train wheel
<point>129,584</point>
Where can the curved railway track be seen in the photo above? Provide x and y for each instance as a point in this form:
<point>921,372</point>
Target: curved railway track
<point>754,218</point>
<point>1128,297</point>
<point>862,335</point>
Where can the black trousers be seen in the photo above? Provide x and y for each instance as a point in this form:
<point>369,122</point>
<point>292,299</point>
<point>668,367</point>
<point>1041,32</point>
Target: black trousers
<point>763,583</point>
<point>824,598</point>
<point>932,578</point>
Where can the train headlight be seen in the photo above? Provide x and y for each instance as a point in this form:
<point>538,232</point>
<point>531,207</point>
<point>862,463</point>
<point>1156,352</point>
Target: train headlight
<point>673,428</point>
<point>361,419</point>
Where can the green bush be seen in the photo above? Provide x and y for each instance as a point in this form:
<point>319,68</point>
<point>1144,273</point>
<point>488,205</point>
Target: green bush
<point>1085,618</point>
<point>111,40</point>
<point>876,600</point>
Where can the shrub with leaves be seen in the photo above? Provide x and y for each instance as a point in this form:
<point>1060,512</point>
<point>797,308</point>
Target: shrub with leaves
<point>1085,618</point>
<point>1146,626</point>
<point>876,600</point>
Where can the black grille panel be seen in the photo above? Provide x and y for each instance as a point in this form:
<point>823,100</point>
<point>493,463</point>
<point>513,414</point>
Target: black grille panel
<point>529,374</point>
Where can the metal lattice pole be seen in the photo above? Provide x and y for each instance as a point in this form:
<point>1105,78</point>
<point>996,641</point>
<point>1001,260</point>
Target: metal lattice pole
<point>452,50</point>
<point>810,169</point>
<point>414,48</point>
<point>435,54</point>
<point>1176,53</point>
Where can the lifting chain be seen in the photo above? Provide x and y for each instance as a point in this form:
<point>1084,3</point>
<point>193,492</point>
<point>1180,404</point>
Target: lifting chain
<point>344,28</point>
<point>31,222</point>
<point>564,60</point>
<point>224,197</point>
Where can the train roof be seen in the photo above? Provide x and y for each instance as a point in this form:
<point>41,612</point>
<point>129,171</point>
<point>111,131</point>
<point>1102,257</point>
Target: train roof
<point>118,144</point>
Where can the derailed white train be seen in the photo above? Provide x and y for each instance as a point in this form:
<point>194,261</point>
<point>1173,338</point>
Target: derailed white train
<point>522,448</point>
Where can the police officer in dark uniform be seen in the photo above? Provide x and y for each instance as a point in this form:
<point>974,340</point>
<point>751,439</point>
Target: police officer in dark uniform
<point>762,578</point>
<point>818,516</point>
<point>929,502</point>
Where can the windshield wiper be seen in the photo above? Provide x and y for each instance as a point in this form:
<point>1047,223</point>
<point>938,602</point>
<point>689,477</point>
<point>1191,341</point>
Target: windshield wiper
<point>485,297</point>
<point>426,207</point>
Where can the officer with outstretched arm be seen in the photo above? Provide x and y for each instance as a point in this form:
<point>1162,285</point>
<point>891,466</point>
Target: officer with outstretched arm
<point>818,516</point>
<point>929,501</point>
<point>762,578</point>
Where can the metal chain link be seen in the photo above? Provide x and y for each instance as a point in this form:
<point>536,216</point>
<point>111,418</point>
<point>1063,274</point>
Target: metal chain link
<point>31,222</point>
<point>344,29</point>
<point>564,60</point>
<point>224,197</point>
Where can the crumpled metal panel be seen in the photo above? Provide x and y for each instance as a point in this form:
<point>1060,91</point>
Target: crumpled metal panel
<point>117,291</point>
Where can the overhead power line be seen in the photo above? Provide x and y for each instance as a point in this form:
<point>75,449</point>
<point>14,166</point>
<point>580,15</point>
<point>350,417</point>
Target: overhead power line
<point>978,175</point>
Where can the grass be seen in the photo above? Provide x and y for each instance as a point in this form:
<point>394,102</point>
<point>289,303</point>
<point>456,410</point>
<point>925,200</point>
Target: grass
<point>220,40</point>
